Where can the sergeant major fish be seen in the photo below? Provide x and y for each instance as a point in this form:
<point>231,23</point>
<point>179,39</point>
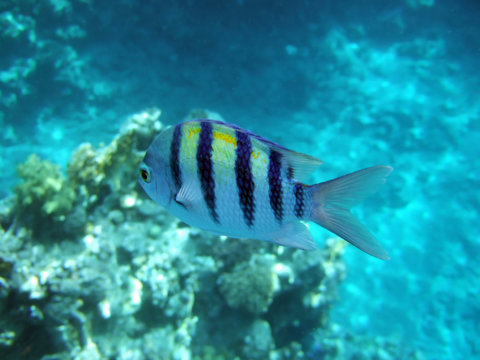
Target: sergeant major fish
<point>219,177</point>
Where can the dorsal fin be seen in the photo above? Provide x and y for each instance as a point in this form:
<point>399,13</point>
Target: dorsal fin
<point>301,165</point>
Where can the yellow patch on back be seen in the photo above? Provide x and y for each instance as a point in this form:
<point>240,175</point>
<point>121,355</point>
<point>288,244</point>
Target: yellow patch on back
<point>230,139</point>
<point>223,149</point>
<point>192,132</point>
<point>259,160</point>
<point>188,146</point>
<point>224,153</point>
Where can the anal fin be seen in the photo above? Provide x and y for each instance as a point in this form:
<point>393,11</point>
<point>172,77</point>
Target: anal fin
<point>293,234</point>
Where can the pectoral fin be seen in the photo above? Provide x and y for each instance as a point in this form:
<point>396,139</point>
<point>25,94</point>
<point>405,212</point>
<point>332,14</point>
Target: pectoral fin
<point>189,194</point>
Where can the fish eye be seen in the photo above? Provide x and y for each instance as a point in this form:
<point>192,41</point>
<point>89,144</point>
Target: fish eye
<point>145,175</point>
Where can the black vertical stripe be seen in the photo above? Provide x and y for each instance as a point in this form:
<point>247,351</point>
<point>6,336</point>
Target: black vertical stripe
<point>290,173</point>
<point>205,167</point>
<point>243,174</point>
<point>174,156</point>
<point>299,209</point>
<point>275,184</point>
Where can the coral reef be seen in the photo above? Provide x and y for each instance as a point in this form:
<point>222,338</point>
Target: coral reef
<point>53,205</point>
<point>44,191</point>
<point>250,285</point>
<point>39,55</point>
<point>355,83</point>
<point>99,172</point>
<point>44,197</point>
<point>136,283</point>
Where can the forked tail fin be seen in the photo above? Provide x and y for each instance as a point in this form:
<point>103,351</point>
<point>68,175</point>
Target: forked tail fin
<point>333,199</point>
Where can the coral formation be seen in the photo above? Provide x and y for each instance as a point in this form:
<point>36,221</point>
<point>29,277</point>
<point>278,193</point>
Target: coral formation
<point>135,283</point>
<point>51,205</point>
<point>44,191</point>
<point>249,286</point>
<point>44,197</point>
<point>352,82</point>
<point>98,172</point>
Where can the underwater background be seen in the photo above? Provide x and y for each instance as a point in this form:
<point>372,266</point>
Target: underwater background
<point>92,269</point>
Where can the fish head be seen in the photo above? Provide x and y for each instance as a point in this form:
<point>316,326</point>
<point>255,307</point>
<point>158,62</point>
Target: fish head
<point>152,175</point>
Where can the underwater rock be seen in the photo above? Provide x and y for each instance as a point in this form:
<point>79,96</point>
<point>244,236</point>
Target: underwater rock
<point>76,221</point>
<point>250,285</point>
<point>258,341</point>
<point>226,252</point>
<point>7,206</point>
<point>116,217</point>
<point>335,342</point>
<point>293,351</point>
<point>6,268</point>
<point>160,342</point>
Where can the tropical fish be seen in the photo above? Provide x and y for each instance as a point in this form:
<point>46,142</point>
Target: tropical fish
<point>222,178</point>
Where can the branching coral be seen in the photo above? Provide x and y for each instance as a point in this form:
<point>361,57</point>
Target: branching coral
<point>44,190</point>
<point>111,168</point>
<point>48,203</point>
<point>44,197</point>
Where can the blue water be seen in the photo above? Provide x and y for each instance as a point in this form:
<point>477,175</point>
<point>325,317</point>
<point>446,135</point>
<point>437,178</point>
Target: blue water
<point>354,83</point>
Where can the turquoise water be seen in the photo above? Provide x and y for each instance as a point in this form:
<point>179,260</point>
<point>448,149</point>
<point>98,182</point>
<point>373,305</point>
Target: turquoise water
<point>375,82</point>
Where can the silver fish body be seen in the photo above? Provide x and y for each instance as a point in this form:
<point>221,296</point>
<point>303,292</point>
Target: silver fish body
<point>222,178</point>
